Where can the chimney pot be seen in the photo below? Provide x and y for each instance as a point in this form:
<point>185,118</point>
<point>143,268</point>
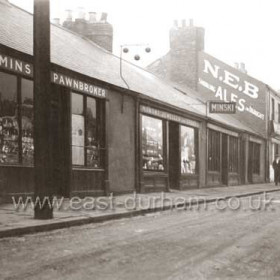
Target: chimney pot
<point>69,15</point>
<point>191,22</point>
<point>104,17</point>
<point>236,65</point>
<point>92,17</point>
<point>56,21</point>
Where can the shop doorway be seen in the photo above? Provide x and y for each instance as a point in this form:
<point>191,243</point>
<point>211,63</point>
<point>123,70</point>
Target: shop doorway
<point>250,163</point>
<point>225,159</point>
<point>174,156</point>
<point>61,135</point>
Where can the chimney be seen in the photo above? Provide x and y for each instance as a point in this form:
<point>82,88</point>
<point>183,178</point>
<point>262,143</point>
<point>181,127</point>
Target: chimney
<point>104,17</point>
<point>92,17</point>
<point>242,68</point>
<point>56,21</point>
<point>100,32</point>
<point>185,44</point>
<point>69,15</point>
<point>236,65</point>
<point>191,22</point>
<point>175,23</point>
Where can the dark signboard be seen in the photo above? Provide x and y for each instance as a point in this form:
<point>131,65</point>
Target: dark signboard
<point>222,107</point>
<point>224,83</point>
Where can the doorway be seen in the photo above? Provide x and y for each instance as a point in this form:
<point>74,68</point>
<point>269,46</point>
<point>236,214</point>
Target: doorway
<point>225,159</point>
<point>61,140</point>
<point>174,154</point>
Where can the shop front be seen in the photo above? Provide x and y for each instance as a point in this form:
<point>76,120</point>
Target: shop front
<point>78,122</point>
<point>224,158</point>
<point>169,150</point>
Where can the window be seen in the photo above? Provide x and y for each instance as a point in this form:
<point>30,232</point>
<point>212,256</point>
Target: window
<point>272,109</point>
<point>278,112</point>
<point>16,103</point>
<point>233,154</point>
<point>86,131</point>
<point>9,126</point>
<point>213,150</point>
<point>152,143</point>
<point>256,152</point>
<point>27,121</point>
<point>188,150</point>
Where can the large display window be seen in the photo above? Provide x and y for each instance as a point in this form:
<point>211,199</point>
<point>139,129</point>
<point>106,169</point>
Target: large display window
<point>188,142</point>
<point>16,120</point>
<point>152,144</point>
<point>86,131</point>
<point>256,153</point>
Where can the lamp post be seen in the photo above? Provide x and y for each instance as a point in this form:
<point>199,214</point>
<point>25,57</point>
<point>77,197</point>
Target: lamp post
<point>42,111</point>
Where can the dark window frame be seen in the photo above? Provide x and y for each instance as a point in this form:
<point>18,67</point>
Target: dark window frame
<point>195,129</point>
<point>214,150</point>
<point>256,158</point>
<point>100,130</point>
<point>19,79</point>
<point>272,109</point>
<point>233,154</point>
<point>164,144</point>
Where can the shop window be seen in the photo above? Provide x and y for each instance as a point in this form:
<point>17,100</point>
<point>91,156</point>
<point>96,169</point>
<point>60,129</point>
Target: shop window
<point>27,121</point>
<point>233,154</point>
<point>188,150</point>
<point>9,127</point>
<point>214,150</point>
<point>256,152</point>
<point>272,109</point>
<point>86,139</point>
<point>152,143</point>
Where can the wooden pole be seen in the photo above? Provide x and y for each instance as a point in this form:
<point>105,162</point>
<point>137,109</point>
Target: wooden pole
<point>42,110</point>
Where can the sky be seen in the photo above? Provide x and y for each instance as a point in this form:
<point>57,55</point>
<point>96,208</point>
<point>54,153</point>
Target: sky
<point>235,30</point>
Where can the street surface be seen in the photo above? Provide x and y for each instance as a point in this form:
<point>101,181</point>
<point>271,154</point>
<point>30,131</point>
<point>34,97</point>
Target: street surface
<point>186,244</point>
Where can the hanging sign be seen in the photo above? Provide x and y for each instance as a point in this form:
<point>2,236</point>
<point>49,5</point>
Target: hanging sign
<point>222,107</point>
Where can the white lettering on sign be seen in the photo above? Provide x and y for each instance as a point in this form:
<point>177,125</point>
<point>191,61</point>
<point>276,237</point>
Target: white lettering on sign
<point>15,65</point>
<point>230,79</point>
<point>229,87</point>
<point>78,85</point>
<point>168,116</point>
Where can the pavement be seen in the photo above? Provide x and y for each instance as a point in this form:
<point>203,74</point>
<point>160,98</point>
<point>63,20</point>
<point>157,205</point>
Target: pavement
<point>18,218</point>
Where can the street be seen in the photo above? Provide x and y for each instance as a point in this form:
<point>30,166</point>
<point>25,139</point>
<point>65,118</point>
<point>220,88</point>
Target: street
<point>180,244</point>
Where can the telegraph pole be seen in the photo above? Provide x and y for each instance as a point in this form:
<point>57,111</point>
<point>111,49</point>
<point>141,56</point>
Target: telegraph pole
<point>42,110</point>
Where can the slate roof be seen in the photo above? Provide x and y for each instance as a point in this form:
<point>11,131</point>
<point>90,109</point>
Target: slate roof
<point>79,54</point>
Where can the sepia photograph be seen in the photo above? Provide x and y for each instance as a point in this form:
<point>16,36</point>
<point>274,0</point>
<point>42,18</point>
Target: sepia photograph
<point>139,139</point>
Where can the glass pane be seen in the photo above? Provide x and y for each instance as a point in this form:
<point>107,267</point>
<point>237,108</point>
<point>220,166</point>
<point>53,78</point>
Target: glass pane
<point>152,144</point>
<point>9,129</point>
<point>78,138</point>
<point>77,104</point>
<point>188,158</point>
<point>27,121</point>
<point>93,158</point>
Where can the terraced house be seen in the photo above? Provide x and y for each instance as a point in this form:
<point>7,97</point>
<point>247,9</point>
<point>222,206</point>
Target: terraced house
<point>138,132</point>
